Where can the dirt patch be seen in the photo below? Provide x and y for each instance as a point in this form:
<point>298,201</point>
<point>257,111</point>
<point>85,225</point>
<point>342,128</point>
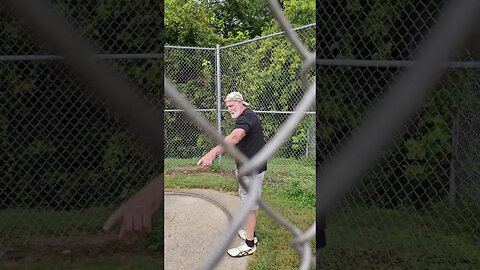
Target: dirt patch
<point>73,247</point>
<point>198,170</point>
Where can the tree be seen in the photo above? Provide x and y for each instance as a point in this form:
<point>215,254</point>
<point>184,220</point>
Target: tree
<point>241,16</point>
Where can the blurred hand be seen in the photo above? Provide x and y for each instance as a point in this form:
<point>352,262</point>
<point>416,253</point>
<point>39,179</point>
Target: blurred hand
<point>206,161</point>
<point>135,215</point>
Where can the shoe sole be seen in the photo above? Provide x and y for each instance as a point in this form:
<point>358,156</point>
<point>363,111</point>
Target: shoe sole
<point>240,256</point>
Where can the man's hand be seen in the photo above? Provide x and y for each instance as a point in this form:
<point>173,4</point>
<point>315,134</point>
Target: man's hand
<point>233,138</point>
<point>135,216</point>
<point>206,161</point>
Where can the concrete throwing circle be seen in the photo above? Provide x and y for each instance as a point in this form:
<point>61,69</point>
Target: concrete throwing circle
<point>194,225</point>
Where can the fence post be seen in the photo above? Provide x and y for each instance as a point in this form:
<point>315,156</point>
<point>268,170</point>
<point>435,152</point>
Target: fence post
<point>219,95</point>
<point>452,190</point>
<point>311,136</point>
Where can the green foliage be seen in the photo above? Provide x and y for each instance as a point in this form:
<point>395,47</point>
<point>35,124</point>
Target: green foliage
<point>205,23</point>
<point>242,16</point>
<point>190,23</point>
<point>62,147</point>
<point>299,12</point>
<point>112,26</point>
<point>295,192</point>
<point>415,170</point>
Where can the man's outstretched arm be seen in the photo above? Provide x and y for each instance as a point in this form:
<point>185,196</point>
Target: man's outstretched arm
<point>233,138</point>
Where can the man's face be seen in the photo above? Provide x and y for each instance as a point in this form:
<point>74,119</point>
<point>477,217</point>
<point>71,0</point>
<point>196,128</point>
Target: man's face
<point>235,108</point>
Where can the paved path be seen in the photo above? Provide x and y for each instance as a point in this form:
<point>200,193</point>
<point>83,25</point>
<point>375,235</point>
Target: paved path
<point>195,221</point>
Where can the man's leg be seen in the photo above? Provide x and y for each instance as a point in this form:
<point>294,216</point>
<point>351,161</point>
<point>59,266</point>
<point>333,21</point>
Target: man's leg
<point>248,247</point>
<point>251,220</point>
<point>250,224</point>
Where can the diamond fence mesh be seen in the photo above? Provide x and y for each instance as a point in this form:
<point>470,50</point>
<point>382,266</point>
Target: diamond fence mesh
<point>66,160</point>
<point>113,27</point>
<point>418,207</point>
<point>193,70</point>
<point>265,70</point>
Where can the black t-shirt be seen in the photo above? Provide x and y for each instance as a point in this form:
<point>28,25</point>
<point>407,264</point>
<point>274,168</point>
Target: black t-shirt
<point>253,141</point>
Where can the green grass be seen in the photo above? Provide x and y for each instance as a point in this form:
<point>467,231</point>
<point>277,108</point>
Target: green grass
<point>212,181</point>
<point>357,237</point>
<point>170,163</point>
<point>293,197</point>
<point>21,224</point>
<point>110,263</point>
<point>366,238</point>
<point>280,172</point>
<point>18,227</point>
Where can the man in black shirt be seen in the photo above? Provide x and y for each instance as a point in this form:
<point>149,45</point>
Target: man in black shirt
<point>248,137</point>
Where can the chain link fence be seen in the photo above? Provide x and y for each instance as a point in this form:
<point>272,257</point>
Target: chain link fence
<point>193,69</point>
<point>301,243</point>
<point>265,70</point>
<point>66,160</point>
<point>418,207</point>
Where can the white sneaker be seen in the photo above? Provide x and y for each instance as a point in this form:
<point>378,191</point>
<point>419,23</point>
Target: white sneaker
<point>242,250</point>
<point>243,235</point>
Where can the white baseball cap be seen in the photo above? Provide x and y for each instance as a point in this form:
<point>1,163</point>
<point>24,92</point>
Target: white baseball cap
<point>236,96</point>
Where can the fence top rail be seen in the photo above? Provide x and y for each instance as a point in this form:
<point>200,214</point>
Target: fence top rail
<point>265,37</point>
<point>40,57</point>
<point>239,43</point>
<point>197,110</point>
<point>190,48</point>
<point>256,111</point>
<point>392,63</point>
